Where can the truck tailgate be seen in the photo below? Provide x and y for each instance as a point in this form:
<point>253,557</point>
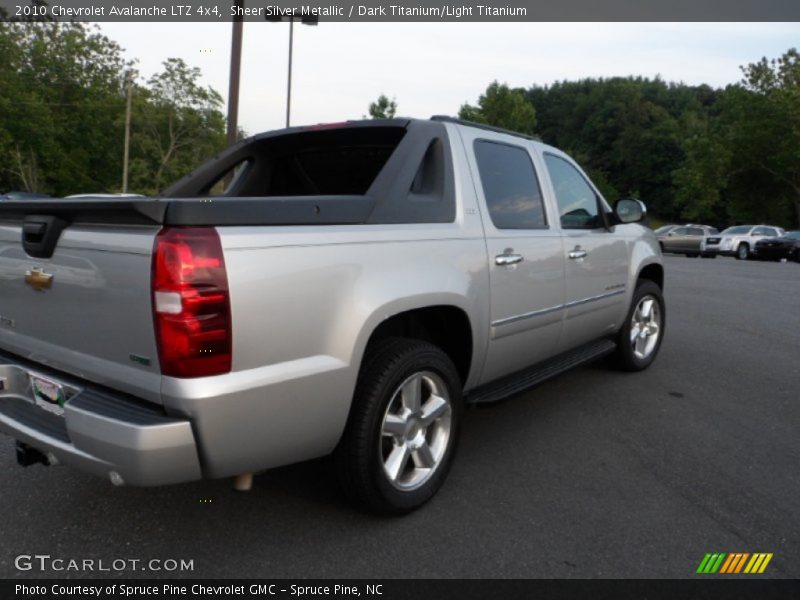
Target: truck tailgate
<point>85,310</point>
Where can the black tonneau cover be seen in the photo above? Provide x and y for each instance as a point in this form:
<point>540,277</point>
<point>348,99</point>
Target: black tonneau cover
<point>295,210</point>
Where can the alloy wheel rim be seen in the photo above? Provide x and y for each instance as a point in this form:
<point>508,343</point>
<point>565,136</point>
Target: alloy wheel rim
<point>645,327</point>
<point>415,431</point>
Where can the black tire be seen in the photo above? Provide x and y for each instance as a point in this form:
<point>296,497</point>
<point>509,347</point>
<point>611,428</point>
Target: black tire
<point>743,252</point>
<point>625,358</point>
<point>693,255</point>
<point>358,457</point>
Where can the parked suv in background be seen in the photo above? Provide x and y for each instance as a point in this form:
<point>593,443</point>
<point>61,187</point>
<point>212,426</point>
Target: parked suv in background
<point>687,239</point>
<point>740,240</point>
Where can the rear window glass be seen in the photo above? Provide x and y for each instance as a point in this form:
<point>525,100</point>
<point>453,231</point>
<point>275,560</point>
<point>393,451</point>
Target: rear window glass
<point>328,171</point>
<point>341,161</point>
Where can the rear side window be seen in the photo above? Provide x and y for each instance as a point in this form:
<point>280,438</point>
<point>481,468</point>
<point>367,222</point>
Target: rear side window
<point>578,206</point>
<point>231,179</point>
<point>510,186</point>
<point>695,231</point>
<point>765,231</point>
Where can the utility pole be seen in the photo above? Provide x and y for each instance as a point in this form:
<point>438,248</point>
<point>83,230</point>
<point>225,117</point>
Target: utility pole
<point>236,63</point>
<point>289,81</point>
<point>305,20</point>
<point>126,153</point>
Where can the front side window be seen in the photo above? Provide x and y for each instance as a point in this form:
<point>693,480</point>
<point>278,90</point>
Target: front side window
<point>578,205</point>
<point>510,186</point>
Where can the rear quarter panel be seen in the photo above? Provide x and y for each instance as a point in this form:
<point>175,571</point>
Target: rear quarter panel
<point>304,302</point>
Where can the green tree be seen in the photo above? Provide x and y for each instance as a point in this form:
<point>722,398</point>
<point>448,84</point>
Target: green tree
<point>746,164</point>
<point>501,106</point>
<point>60,108</point>
<point>62,112</point>
<point>770,142</point>
<point>626,132</point>
<point>177,123</point>
<point>383,108</point>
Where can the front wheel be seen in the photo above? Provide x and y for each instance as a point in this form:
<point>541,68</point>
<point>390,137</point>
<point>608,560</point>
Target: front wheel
<point>743,252</point>
<point>401,435</point>
<point>640,337</point>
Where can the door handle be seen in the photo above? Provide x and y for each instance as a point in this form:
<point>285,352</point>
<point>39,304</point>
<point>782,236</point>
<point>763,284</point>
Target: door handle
<point>578,252</point>
<point>507,258</point>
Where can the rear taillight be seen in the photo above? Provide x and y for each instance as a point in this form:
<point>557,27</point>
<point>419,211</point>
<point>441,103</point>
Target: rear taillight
<point>191,304</point>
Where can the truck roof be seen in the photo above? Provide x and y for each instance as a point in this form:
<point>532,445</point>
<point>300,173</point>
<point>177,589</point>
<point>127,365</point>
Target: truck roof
<point>446,119</point>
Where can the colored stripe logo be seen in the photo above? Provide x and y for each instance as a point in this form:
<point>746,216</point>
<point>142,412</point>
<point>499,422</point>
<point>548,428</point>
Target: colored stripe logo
<point>734,563</point>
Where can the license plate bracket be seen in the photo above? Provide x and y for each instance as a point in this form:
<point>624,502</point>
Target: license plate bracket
<point>48,395</point>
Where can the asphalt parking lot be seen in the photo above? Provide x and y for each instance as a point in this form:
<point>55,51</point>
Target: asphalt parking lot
<point>594,474</point>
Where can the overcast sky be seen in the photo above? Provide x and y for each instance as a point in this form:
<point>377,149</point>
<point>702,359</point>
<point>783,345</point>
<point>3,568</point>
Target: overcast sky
<point>433,68</point>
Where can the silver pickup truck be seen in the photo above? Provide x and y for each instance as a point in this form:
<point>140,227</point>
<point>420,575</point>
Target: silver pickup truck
<point>339,289</point>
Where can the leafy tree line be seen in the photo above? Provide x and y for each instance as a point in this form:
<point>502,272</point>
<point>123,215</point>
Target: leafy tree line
<point>693,153</point>
<point>63,90</point>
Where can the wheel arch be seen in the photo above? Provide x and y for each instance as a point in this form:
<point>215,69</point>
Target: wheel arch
<point>652,272</point>
<point>446,326</point>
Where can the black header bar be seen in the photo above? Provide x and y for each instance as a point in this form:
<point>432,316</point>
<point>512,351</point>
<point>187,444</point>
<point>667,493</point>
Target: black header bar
<point>195,11</point>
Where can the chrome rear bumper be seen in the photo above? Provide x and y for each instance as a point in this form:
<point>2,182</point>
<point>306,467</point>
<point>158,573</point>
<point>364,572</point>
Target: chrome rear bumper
<point>101,432</point>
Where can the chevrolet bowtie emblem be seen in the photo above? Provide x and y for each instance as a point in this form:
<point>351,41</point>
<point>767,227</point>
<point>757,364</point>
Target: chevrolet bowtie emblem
<point>38,279</point>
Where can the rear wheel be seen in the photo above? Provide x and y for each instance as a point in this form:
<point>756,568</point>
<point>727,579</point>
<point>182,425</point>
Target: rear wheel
<point>401,436</point>
<point>692,255</point>
<point>743,252</point>
<point>640,338</point>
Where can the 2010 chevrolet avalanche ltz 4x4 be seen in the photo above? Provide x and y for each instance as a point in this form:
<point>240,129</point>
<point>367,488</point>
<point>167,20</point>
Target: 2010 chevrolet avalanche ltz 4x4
<point>339,289</point>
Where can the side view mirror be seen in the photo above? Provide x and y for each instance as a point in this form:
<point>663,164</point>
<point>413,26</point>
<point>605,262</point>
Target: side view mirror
<point>629,210</point>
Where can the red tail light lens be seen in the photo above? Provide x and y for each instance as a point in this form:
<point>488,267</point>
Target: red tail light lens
<point>191,304</point>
